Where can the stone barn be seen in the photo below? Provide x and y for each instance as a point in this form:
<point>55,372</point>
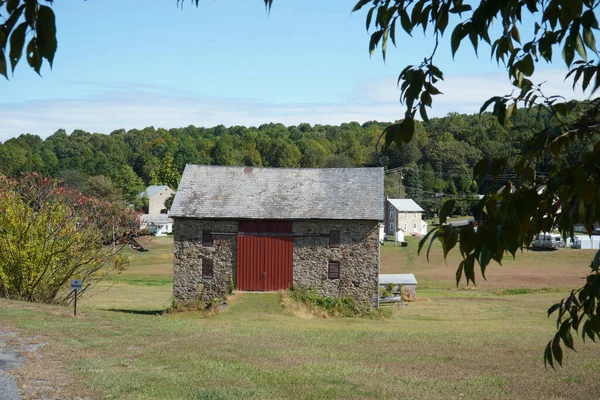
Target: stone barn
<point>269,229</point>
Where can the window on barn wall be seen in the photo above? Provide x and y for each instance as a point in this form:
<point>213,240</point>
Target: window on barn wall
<point>333,272</point>
<point>334,238</point>
<point>207,238</point>
<point>207,268</point>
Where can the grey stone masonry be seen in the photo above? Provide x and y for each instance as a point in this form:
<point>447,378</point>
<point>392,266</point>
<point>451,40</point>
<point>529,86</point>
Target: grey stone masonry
<point>188,283</point>
<point>358,255</point>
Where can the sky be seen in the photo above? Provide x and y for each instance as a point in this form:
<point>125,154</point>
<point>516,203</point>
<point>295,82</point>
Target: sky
<point>138,63</point>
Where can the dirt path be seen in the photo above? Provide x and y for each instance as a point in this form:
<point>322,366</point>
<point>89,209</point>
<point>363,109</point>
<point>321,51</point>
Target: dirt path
<point>9,359</point>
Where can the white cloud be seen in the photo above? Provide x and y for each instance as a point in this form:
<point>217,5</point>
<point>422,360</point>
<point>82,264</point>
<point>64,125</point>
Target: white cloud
<point>127,106</point>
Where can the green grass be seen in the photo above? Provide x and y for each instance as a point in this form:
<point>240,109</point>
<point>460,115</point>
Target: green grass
<point>454,343</point>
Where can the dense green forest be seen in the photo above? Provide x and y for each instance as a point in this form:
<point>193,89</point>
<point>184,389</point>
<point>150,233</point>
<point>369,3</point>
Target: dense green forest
<point>436,164</point>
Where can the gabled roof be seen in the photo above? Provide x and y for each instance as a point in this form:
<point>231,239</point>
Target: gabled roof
<point>407,205</point>
<point>279,193</point>
<point>152,190</point>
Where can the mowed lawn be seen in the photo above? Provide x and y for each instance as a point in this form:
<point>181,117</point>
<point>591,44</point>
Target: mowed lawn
<point>483,342</point>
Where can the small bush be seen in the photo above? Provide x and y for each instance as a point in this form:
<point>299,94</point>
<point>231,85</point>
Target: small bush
<point>342,306</point>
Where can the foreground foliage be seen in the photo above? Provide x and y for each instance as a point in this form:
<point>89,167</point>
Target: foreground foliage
<point>570,194</point>
<point>49,234</point>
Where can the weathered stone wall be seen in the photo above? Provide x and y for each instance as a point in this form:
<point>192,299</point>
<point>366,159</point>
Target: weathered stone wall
<point>188,283</point>
<point>358,256</point>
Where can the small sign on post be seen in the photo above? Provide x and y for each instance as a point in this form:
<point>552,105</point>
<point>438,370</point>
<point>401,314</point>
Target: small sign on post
<point>76,284</point>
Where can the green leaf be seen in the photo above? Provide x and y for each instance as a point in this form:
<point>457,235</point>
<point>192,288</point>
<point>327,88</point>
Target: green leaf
<point>17,41</point>
<point>34,58</point>
<point>568,52</point>
<point>470,268</point>
<point>45,28</point>
<point>556,350</point>
<point>423,111</point>
<point>485,105</point>
<point>553,308</point>
<point>514,32</point>
<point>527,65</point>
<point>442,21</point>
<point>11,5</point>
<point>589,39</point>
<point>407,129</point>
<point>548,355</point>
<point>405,22</point>
<point>375,38</point>
<point>446,210</point>
<point>435,235</point>
<point>422,241</point>
<point>360,5</point>
<point>450,239</point>
<point>3,64</point>
<point>370,17</point>
<point>459,271</point>
<point>467,240</point>
<point>500,112</point>
<point>580,47</point>
<point>457,35</point>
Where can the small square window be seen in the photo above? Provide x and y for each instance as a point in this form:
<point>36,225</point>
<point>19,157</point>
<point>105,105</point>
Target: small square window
<point>334,238</point>
<point>207,268</point>
<point>207,238</point>
<point>333,272</point>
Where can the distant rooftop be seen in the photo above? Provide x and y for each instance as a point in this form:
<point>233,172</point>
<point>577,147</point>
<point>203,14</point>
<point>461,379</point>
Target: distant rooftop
<point>407,205</point>
<point>279,193</point>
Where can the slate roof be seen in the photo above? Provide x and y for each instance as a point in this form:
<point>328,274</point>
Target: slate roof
<point>152,190</point>
<point>279,193</point>
<point>407,205</point>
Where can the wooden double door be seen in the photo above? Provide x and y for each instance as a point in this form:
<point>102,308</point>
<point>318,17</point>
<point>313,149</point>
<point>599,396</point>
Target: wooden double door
<point>265,255</point>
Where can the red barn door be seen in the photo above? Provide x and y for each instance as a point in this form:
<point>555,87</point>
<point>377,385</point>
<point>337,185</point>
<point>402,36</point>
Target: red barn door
<point>265,255</point>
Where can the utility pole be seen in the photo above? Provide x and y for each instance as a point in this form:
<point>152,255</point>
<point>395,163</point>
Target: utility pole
<point>400,187</point>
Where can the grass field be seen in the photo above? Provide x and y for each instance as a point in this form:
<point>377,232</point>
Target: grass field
<point>483,342</point>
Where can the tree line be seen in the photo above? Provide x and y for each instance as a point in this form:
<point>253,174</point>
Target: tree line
<point>437,164</point>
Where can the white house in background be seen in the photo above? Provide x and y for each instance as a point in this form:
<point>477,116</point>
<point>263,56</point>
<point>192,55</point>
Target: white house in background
<point>156,197</point>
<point>405,215</point>
<point>157,224</point>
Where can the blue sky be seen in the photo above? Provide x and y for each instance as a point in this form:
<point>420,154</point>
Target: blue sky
<point>136,63</point>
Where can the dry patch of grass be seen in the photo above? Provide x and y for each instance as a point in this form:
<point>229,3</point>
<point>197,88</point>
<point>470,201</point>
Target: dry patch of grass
<point>301,310</point>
